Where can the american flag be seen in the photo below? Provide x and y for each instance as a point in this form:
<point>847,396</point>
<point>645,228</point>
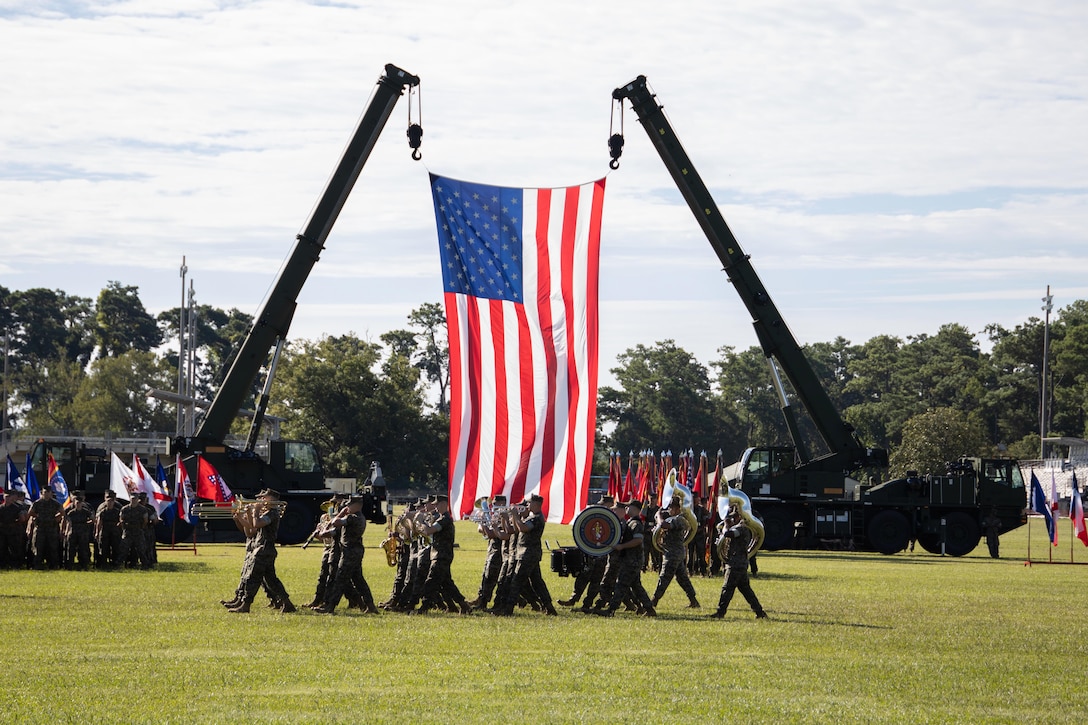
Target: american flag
<point>519,274</point>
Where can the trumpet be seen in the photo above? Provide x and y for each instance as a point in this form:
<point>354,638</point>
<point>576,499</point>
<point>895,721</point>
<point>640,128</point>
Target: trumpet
<point>220,509</point>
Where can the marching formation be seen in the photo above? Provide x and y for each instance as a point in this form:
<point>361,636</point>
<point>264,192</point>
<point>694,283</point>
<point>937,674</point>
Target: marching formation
<point>421,544</point>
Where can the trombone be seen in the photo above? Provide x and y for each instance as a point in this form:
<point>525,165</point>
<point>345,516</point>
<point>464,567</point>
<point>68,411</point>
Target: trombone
<point>223,510</point>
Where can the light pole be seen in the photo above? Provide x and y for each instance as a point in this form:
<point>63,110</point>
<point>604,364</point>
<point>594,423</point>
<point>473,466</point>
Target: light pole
<point>1048,305</point>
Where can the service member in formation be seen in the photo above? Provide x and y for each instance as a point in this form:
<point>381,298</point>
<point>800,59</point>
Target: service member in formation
<point>133,549</point>
<point>674,553</point>
<point>493,559</point>
<point>45,517</point>
<point>628,576</point>
<point>592,573</point>
<point>439,587</point>
<point>13,517</point>
<point>736,566</point>
<point>260,523</point>
<point>149,532</point>
<point>78,529</point>
<point>107,531</point>
<point>527,578</point>
<point>349,524</point>
<point>324,533</point>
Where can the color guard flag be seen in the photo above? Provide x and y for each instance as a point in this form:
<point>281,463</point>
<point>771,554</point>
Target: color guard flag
<point>156,494</point>
<point>122,479</point>
<point>183,492</point>
<point>1037,503</point>
<point>209,484</point>
<point>15,481</point>
<point>56,480</point>
<point>519,276</point>
<point>1076,513</point>
<point>33,490</point>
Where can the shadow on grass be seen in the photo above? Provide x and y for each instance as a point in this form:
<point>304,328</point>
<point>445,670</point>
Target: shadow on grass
<point>925,559</point>
<point>185,566</point>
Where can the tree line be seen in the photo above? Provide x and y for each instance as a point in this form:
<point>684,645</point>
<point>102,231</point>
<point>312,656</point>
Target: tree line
<point>77,364</point>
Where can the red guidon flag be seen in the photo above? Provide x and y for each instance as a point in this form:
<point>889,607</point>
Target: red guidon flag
<point>209,484</point>
<point>519,274</point>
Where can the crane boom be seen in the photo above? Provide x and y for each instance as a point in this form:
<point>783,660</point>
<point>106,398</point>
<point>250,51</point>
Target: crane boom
<point>774,335</point>
<point>274,318</point>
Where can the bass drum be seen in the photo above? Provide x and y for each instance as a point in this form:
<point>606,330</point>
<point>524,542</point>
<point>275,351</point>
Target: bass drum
<point>596,530</point>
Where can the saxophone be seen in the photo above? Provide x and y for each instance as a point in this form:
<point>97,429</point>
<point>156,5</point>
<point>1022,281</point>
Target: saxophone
<point>391,544</point>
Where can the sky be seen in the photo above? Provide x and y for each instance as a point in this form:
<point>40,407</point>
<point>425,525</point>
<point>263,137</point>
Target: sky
<point>890,167</point>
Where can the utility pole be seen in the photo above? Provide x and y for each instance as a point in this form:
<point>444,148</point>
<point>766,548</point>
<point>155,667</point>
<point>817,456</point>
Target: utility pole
<point>181,351</point>
<point>1043,408</point>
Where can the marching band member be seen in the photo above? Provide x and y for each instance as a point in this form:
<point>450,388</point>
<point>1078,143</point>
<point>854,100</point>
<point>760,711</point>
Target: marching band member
<point>527,578</point>
<point>493,558</point>
<point>736,566</point>
<point>674,553</point>
<point>260,523</point>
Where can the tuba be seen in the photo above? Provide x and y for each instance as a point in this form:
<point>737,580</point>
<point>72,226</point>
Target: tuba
<point>686,510</point>
<point>740,499</point>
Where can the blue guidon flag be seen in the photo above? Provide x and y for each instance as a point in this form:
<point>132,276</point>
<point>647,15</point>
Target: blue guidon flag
<point>519,275</point>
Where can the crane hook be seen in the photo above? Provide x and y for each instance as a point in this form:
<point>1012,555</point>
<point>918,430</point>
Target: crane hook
<point>615,150</point>
<point>415,140</point>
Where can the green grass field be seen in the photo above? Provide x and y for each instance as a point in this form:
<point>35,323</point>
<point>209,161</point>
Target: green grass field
<point>859,638</point>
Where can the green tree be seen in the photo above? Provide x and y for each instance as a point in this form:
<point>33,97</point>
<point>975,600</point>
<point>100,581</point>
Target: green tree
<point>113,397</point>
<point>746,391</point>
<point>47,324</point>
<point>425,344</point>
<point>935,437</point>
<point>122,323</point>
<point>218,335</point>
<point>1012,400</point>
<point>335,393</point>
<point>664,401</point>
<point>45,393</point>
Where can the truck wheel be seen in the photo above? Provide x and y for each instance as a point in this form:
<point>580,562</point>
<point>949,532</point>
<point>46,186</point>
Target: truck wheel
<point>889,532</point>
<point>778,529</point>
<point>297,522</point>
<point>930,542</point>
<point>962,534</point>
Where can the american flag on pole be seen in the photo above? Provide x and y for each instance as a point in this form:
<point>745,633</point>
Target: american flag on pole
<point>519,275</point>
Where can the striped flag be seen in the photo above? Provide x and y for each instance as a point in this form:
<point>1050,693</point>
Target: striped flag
<point>519,276</point>
<point>1076,513</point>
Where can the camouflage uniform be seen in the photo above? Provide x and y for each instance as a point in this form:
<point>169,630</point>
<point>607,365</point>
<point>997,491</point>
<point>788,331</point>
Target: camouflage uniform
<point>108,527</point>
<point>260,564</point>
<point>527,580</point>
<point>629,574</point>
<point>674,560</point>
<point>326,572</point>
<point>349,573</point>
<point>736,569</point>
<point>77,540</point>
<point>13,515</point>
<point>439,586</point>
<point>45,540</point>
<point>133,525</point>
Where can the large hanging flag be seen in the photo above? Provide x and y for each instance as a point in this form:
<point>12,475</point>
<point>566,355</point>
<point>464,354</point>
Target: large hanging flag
<point>1037,503</point>
<point>519,277</point>
<point>1076,513</point>
<point>123,480</point>
<point>209,484</point>
<point>33,490</point>
<point>183,492</point>
<point>56,481</point>
<point>15,480</point>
